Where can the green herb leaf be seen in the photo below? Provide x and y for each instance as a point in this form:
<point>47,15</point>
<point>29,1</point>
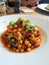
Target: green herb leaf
<point>31,27</point>
<point>12,23</point>
<point>21,19</point>
<point>9,37</point>
<point>12,37</point>
<point>27,21</point>
<point>16,39</point>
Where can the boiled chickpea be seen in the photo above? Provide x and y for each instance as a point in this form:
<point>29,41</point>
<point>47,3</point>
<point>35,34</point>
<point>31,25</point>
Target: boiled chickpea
<point>35,39</point>
<point>8,46</point>
<point>17,50</point>
<point>38,40</point>
<point>32,35</point>
<point>22,50</point>
<point>12,40</point>
<point>11,27</point>
<point>19,29</point>
<point>19,38</point>
<point>35,32</point>
<point>21,41</point>
<point>19,46</point>
<point>14,49</point>
<point>36,29</point>
<point>28,49</point>
<point>15,26</point>
<point>29,45</point>
<point>15,30</point>
<point>26,42</point>
<point>37,44</point>
<point>19,34</point>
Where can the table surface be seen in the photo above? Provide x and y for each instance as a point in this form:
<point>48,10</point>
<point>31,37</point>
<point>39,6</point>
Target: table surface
<point>36,12</point>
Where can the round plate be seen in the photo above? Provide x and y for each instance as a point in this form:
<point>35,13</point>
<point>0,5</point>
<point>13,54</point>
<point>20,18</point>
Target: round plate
<point>39,56</point>
<point>42,7</point>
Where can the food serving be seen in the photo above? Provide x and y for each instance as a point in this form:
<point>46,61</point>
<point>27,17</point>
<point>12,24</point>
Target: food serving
<point>21,36</point>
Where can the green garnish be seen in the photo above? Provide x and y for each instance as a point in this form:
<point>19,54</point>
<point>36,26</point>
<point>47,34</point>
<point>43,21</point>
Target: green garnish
<point>31,27</point>
<point>12,23</point>
<point>21,19</point>
<point>9,37</point>
<point>12,37</point>
<point>27,21</point>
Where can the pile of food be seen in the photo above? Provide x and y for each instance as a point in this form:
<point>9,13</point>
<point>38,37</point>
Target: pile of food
<point>21,36</point>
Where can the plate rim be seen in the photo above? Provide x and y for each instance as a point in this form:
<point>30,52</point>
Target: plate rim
<point>38,6</point>
<point>10,55</point>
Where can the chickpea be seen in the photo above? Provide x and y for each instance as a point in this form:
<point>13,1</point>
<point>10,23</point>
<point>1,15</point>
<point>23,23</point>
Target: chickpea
<point>36,29</point>
<point>19,29</point>
<point>19,46</point>
<point>37,44</point>
<point>35,39</point>
<point>29,45</point>
<point>35,32</point>
<point>19,34</point>
<point>14,49</point>
<point>12,40</point>
<point>26,42</point>
<point>15,26</point>
<point>8,46</point>
<point>22,50</point>
<point>38,40</point>
<point>21,41</point>
<point>32,47</point>
<point>19,38</point>
<point>26,26</point>
<point>11,27</point>
<point>17,50</point>
<point>28,49</point>
<point>15,30</point>
<point>32,35</point>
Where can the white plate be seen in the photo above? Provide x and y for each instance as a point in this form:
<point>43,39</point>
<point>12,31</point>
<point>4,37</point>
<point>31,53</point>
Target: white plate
<point>39,56</point>
<point>42,7</point>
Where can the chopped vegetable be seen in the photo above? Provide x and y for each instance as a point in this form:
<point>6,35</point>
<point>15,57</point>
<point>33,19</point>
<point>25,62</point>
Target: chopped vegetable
<point>27,21</point>
<point>12,23</point>
<point>9,37</point>
<point>12,37</point>
<point>21,19</point>
<point>31,28</point>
